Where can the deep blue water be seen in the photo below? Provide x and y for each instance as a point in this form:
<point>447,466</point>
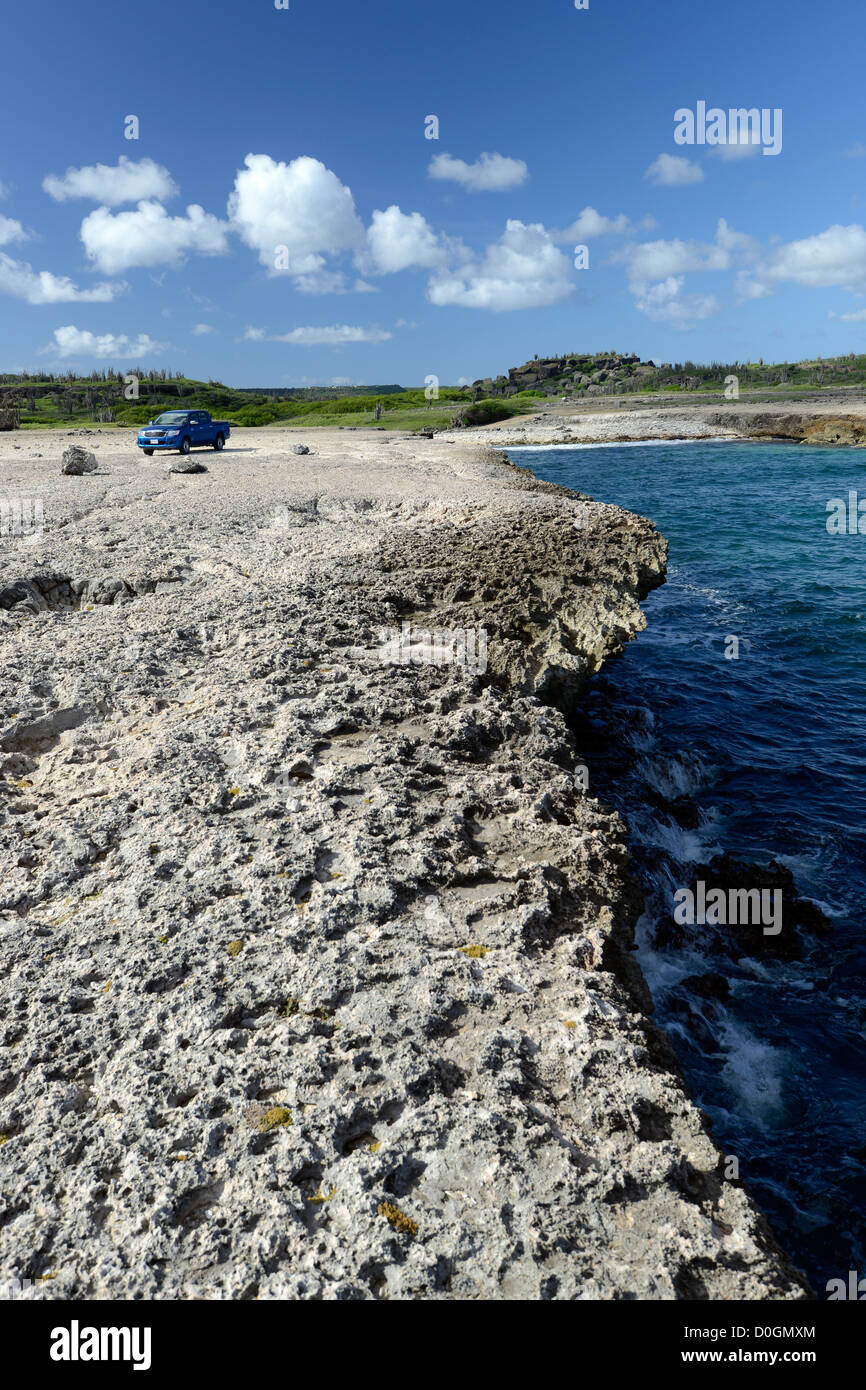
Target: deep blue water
<point>771,751</point>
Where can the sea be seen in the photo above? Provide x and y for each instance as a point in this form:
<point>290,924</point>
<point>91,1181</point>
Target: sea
<point>753,747</point>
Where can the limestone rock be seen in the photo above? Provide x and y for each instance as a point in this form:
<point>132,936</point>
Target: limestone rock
<point>77,460</point>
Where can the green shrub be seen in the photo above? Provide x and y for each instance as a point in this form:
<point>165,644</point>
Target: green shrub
<point>482,413</point>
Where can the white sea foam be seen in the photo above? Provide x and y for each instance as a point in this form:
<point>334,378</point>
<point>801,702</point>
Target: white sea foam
<point>753,1074</point>
<point>609,444</point>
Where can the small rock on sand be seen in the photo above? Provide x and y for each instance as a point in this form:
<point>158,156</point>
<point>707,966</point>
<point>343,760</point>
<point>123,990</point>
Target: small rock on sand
<point>185,464</point>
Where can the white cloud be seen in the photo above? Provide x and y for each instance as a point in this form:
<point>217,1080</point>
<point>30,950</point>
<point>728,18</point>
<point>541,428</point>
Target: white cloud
<point>400,241</point>
<point>301,206</point>
<point>491,173</point>
<point>199,329</point>
<point>148,236</point>
<point>10,231</point>
<point>655,260</point>
<point>523,270</point>
<point>673,170</point>
<point>736,149</point>
<point>856,151</point>
<point>853,316</point>
<point>747,287</point>
<point>590,224</point>
<point>736,243</point>
<point>333,336</point>
<point>322,282</point>
<point>361,287</point>
<point>836,257</point>
<point>79,342</point>
<point>20,280</point>
<point>665,303</point>
<point>111,184</point>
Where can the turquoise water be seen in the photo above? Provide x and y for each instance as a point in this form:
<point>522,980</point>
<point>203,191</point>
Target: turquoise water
<point>763,756</point>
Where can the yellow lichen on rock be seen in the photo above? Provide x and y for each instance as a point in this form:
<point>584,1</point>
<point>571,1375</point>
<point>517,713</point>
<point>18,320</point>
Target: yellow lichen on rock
<point>276,1118</point>
<point>398,1219</point>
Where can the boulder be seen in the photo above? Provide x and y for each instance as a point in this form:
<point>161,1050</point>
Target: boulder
<point>300,449</point>
<point>77,460</point>
<point>185,463</point>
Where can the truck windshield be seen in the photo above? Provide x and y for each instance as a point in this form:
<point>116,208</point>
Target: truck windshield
<point>171,417</point>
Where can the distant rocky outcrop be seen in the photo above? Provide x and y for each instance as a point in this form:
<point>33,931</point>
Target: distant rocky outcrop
<point>571,373</point>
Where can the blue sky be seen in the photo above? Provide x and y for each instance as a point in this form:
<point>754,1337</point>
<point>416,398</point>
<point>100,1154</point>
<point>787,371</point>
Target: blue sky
<point>330,241</point>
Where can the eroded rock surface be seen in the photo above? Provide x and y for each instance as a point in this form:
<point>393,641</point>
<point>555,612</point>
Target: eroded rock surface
<point>316,979</point>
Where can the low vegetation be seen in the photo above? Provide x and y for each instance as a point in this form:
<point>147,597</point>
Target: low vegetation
<point>40,400</point>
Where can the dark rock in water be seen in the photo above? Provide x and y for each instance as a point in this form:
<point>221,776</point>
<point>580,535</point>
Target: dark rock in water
<point>697,1027</point>
<point>761,911</point>
<point>709,986</point>
<point>77,460</point>
<point>185,464</point>
<point>300,449</point>
<point>685,813</point>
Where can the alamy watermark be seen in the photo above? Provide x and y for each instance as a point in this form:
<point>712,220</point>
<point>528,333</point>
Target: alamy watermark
<point>22,516</point>
<point>853,1291</point>
<point>738,126</point>
<point>847,517</point>
<point>408,646</point>
<point>745,907</point>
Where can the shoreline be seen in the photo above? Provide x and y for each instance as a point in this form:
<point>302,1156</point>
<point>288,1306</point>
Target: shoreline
<point>811,422</point>
<point>317,966</point>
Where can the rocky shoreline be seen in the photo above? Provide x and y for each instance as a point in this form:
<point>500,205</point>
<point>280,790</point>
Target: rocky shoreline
<point>837,421</point>
<point>317,979</point>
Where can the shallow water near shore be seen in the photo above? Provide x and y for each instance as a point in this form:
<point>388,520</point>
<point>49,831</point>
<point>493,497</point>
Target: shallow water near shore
<point>766,752</point>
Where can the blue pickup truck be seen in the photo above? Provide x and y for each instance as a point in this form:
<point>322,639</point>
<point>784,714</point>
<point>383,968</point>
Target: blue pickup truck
<point>183,430</point>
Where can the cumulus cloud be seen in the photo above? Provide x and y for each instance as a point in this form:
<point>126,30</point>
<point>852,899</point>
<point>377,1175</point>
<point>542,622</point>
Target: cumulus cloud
<point>20,280</point>
<point>112,184</point>
<point>673,170</point>
<point>665,302</point>
<point>301,209</point>
<point>70,341</point>
<point>10,231</point>
<point>523,270</point>
<point>333,336</point>
<point>655,260</point>
<point>199,329</point>
<point>853,316</point>
<point>400,241</point>
<point>491,173</point>
<point>836,257</point>
<point>590,223</point>
<point>148,236</point>
<point>747,287</point>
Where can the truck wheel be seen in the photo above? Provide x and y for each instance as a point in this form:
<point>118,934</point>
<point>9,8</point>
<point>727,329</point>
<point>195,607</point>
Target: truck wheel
<point>218,442</point>
<point>149,453</point>
<point>184,446</point>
